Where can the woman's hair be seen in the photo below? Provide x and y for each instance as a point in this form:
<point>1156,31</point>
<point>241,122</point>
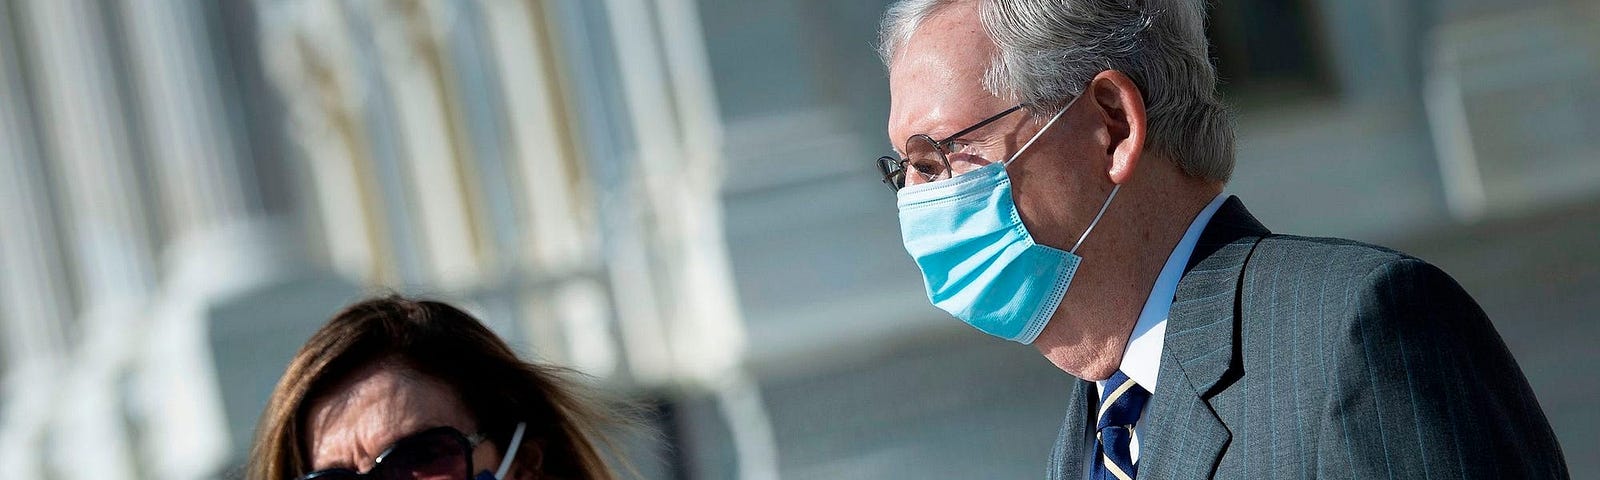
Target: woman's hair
<point>448,345</point>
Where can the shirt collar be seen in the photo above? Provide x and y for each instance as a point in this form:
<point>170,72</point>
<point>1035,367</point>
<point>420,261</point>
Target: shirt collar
<point>1141,360</point>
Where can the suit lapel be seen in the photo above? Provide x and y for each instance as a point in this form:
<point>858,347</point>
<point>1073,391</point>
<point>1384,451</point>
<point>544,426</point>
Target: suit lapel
<point>1180,435</point>
<point>1073,440</point>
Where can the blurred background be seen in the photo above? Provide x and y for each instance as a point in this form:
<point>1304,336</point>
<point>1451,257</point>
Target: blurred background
<point>677,198</point>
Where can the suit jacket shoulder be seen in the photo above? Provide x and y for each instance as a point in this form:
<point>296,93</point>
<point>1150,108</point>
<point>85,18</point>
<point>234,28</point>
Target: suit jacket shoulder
<point>1355,360</point>
<point>1294,254</point>
<point>1300,357</point>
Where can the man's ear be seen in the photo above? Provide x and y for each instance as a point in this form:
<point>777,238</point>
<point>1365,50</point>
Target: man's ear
<point>1120,105</point>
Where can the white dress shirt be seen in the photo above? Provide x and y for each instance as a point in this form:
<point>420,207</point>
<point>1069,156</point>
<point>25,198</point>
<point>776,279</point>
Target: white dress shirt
<point>1141,361</point>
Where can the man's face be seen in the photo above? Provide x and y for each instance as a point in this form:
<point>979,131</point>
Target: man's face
<point>936,88</point>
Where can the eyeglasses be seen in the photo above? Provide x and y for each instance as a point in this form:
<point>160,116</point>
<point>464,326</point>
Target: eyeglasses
<point>441,453</point>
<point>928,156</point>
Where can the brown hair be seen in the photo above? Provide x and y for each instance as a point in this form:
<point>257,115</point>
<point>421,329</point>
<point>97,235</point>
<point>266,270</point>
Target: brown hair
<point>448,345</point>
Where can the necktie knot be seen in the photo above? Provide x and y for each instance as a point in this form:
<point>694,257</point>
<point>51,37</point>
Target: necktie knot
<point>1122,402</point>
<point>1120,405</point>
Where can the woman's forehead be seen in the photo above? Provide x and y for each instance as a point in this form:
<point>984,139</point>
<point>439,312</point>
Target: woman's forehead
<point>358,418</point>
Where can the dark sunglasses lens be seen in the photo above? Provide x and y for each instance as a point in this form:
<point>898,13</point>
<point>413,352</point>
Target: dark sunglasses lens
<point>332,475</point>
<point>893,175</point>
<point>438,455</point>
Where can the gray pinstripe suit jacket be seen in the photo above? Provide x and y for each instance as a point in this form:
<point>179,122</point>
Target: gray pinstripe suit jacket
<point>1293,357</point>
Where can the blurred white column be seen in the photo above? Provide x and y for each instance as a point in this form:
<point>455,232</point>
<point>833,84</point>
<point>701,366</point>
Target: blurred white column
<point>435,162</point>
<point>192,150</point>
<point>33,304</point>
<point>555,223</point>
<point>78,94</point>
<point>549,173</point>
<point>308,50</point>
<point>103,212</point>
<point>217,242</point>
<point>709,332</point>
<point>32,287</point>
<point>657,160</point>
<point>667,83</point>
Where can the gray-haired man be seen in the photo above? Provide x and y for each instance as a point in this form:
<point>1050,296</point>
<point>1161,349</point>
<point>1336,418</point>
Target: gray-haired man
<point>1059,176</point>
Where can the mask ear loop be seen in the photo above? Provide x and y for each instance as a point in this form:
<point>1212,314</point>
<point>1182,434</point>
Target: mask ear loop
<point>1096,220</point>
<point>1046,128</point>
<point>511,453</point>
<point>1035,138</point>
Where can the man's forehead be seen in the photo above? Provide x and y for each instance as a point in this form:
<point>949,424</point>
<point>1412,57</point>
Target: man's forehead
<point>952,37</point>
<point>936,79</point>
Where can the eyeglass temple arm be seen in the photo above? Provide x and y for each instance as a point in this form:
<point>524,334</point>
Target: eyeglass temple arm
<point>981,124</point>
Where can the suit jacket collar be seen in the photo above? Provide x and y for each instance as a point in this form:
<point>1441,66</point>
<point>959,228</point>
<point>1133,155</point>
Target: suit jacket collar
<point>1185,437</point>
<point>1201,323</point>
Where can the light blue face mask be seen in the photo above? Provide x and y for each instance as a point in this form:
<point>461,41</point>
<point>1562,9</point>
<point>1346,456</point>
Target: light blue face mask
<point>978,261</point>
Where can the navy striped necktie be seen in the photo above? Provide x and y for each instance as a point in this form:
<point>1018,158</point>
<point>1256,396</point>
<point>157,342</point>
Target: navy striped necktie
<point>1120,406</point>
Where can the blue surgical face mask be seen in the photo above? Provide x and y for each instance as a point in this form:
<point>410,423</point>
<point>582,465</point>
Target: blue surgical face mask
<point>978,261</point>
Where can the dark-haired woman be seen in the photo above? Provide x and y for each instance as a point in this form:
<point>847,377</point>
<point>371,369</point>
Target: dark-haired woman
<point>396,388</point>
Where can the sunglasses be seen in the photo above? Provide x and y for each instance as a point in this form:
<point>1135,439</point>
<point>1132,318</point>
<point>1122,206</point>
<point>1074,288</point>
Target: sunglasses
<point>441,453</point>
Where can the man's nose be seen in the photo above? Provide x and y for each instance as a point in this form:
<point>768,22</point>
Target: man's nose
<point>914,177</point>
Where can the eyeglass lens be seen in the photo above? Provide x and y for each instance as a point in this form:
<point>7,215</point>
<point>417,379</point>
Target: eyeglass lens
<point>923,158</point>
<point>893,175</point>
<point>926,157</point>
